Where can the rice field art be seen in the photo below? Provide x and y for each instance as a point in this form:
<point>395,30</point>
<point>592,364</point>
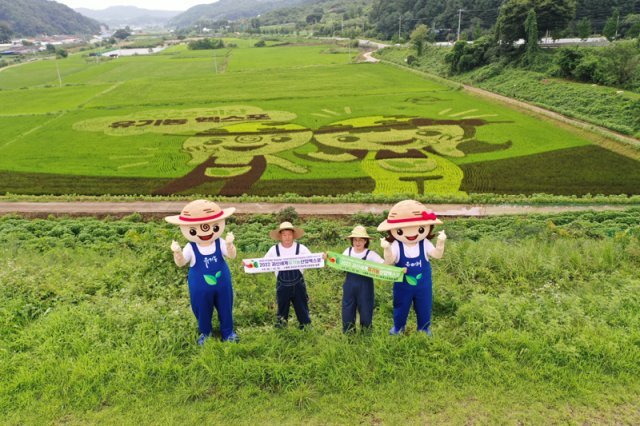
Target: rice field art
<point>316,124</point>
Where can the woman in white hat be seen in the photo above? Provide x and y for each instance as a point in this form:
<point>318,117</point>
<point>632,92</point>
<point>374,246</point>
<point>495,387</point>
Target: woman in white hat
<point>409,226</point>
<point>290,285</point>
<point>202,222</point>
<point>357,290</point>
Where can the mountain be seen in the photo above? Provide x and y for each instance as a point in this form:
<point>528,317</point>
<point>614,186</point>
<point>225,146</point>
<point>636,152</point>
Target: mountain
<point>313,11</point>
<point>33,17</point>
<point>121,16</point>
<point>230,10</point>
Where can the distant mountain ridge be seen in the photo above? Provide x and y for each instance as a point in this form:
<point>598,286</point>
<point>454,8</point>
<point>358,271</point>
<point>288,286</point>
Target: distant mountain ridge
<point>229,9</point>
<point>120,16</point>
<point>34,17</point>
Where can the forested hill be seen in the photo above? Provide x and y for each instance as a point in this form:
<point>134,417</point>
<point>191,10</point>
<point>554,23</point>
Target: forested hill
<point>119,16</point>
<point>390,16</point>
<point>229,10</point>
<point>314,11</point>
<point>33,17</point>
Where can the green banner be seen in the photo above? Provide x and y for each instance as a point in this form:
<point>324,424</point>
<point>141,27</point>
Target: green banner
<point>364,267</point>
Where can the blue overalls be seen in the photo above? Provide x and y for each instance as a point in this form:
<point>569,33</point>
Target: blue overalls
<point>415,288</point>
<point>210,286</point>
<point>290,287</point>
<point>357,294</point>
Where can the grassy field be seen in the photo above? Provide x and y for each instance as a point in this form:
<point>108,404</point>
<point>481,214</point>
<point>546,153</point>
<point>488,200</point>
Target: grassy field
<point>535,322</point>
<point>300,117</point>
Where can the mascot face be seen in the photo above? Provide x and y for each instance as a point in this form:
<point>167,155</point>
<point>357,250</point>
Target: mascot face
<point>411,235</point>
<point>442,138</point>
<point>204,233</point>
<point>240,143</point>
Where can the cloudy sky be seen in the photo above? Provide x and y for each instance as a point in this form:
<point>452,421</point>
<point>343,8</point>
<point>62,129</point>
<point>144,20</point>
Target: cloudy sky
<point>144,4</point>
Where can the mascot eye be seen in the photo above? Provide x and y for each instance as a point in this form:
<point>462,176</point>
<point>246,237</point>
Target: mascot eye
<point>193,232</point>
<point>421,230</point>
<point>216,228</point>
<point>348,139</point>
<point>280,139</point>
<point>399,232</point>
<point>205,227</point>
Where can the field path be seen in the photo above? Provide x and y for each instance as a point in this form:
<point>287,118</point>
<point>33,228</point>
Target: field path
<point>162,208</point>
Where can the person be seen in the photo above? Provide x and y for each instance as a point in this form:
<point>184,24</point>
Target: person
<point>410,227</point>
<point>357,290</point>
<point>290,285</point>
<point>202,223</point>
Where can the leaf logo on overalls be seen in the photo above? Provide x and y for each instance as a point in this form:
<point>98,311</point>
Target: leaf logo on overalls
<point>211,279</point>
<point>413,280</point>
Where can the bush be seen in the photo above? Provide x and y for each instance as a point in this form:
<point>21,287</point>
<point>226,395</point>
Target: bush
<point>206,43</point>
<point>260,43</point>
<point>567,60</point>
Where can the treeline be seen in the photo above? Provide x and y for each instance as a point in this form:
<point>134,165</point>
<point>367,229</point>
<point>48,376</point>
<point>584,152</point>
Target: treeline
<point>206,43</point>
<point>396,19</point>
<point>35,17</point>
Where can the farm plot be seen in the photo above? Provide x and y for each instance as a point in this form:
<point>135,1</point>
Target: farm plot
<point>277,119</point>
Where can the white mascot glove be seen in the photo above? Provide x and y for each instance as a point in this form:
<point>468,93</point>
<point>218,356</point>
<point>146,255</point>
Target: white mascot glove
<point>442,235</point>
<point>230,238</point>
<point>175,247</point>
<point>384,243</point>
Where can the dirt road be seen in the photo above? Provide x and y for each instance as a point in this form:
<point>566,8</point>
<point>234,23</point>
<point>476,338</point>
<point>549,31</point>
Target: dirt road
<point>163,208</point>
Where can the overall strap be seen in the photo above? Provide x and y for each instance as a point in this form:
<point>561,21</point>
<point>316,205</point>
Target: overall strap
<point>349,251</point>
<point>218,250</point>
<point>194,247</point>
<point>277,250</point>
<point>297,248</point>
<point>401,247</point>
<point>422,256</point>
<point>366,254</point>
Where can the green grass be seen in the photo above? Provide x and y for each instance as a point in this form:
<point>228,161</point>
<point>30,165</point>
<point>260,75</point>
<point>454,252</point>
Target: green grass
<point>535,321</point>
<point>569,171</point>
<point>307,84</point>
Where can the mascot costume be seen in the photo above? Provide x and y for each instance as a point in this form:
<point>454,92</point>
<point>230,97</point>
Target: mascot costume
<point>409,226</point>
<point>202,223</point>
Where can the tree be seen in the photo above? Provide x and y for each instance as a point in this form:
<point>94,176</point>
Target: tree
<point>61,53</point>
<point>121,34</point>
<point>584,28</point>
<point>419,37</point>
<point>5,33</point>
<point>610,30</point>
<point>531,26</point>
<point>50,48</point>
<point>551,15</point>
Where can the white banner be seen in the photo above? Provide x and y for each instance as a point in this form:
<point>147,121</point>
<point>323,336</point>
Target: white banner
<point>274,264</point>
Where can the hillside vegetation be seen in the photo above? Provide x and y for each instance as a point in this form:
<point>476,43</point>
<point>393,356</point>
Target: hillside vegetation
<point>36,17</point>
<point>535,321</point>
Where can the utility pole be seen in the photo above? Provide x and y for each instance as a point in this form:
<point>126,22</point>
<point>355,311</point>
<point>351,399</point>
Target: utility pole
<point>399,27</point>
<point>459,20</point>
<point>617,25</point>
<point>215,62</point>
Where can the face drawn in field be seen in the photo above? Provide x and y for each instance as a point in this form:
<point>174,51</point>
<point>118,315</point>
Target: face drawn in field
<point>403,154</point>
<point>239,144</point>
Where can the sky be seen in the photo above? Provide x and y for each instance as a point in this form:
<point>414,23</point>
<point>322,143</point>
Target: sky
<point>143,4</point>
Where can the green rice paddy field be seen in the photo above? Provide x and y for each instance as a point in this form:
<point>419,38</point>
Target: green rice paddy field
<point>294,118</point>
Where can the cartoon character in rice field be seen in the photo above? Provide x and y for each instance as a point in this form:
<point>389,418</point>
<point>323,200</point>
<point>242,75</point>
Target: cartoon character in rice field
<point>403,154</point>
<point>238,155</point>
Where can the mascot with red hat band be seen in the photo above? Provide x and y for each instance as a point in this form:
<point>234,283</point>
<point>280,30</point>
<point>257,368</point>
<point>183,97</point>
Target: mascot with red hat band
<point>409,226</point>
<point>202,223</point>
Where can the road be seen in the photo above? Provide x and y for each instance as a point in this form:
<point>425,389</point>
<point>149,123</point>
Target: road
<point>164,208</point>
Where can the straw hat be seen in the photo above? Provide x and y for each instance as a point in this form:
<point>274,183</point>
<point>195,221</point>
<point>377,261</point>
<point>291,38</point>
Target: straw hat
<point>408,213</point>
<point>297,232</point>
<point>359,232</point>
<point>198,212</point>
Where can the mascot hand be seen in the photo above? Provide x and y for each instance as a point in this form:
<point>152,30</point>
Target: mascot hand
<point>230,238</point>
<point>175,247</point>
<point>384,243</point>
<point>442,235</point>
